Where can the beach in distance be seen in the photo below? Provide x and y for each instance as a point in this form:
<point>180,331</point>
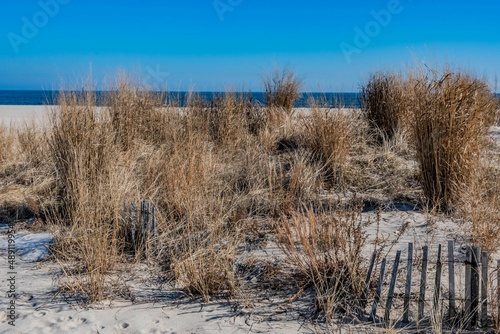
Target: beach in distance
<point>129,216</point>
<point>233,166</point>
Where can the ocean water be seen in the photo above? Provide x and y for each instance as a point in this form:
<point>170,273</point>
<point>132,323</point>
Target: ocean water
<point>46,97</point>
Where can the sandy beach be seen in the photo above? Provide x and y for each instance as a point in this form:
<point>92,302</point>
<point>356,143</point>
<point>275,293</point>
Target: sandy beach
<point>18,115</point>
<point>154,306</point>
<point>249,167</point>
<point>159,308</point>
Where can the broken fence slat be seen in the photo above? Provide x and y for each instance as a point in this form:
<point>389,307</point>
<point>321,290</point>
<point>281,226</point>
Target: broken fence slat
<point>437,281</point>
<point>378,292</point>
<point>484,289</point>
<point>364,295</point>
<point>475,281</point>
<point>423,283</point>
<point>451,278</point>
<point>392,286</point>
<point>406,302</point>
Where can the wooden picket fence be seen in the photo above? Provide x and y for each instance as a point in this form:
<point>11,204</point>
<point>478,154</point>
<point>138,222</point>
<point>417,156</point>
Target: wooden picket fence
<point>476,311</point>
<point>140,227</point>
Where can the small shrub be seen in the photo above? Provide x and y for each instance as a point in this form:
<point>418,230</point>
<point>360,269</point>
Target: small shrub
<point>205,264</point>
<point>383,104</point>
<point>330,136</point>
<point>136,115</point>
<point>325,248</point>
<point>281,89</point>
<point>293,179</point>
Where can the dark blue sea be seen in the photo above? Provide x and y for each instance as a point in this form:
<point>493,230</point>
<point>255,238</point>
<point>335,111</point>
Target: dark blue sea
<point>45,97</point>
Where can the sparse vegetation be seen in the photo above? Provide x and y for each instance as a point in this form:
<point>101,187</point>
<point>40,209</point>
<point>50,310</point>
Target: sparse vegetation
<point>453,112</point>
<point>331,136</point>
<point>383,104</point>
<point>224,171</point>
<point>282,89</point>
<point>325,249</point>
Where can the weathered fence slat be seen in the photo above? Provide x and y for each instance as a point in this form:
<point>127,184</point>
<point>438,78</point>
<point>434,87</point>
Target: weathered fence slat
<point>406,302</point>
<point>498,288</point>
<point>364,295</point>
<point>390,296</point>
<point>437,281</point>
<point>468,260</point>
<point>153,221</point>
<point>423,283</point>
<point>147,223</point>
<point>124,219</point>
<point>140,225</point>
<point>132,223</point>
<point>474,289</point>
<point>477,283</point>
<point>378,292</point>
<point>484,289</point>
<point>451,276</point>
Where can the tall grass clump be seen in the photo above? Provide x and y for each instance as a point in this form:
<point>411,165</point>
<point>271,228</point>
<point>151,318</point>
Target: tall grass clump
<point>452,113</point>
<point>325,249</point>
<point>135,115</point>
<point>331,136</point>
<point>204,261</point>
<point>198,180</point>
<point>282,89</point>
<point>91,187</point>
<point>228,119</point>
<point>383,104</point>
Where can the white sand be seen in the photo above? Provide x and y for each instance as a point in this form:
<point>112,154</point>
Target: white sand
<point>39,309</point>
<point>18,115</point>
<point>165,309</point>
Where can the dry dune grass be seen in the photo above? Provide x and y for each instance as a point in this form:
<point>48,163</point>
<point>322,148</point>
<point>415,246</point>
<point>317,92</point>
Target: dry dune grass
<point>215,169</point>
<point>331,136</point>
<point>282,88</point>
<point>383,103</point>
<point>453,112</point>
<point>325,249</point>
<point>7,141</point>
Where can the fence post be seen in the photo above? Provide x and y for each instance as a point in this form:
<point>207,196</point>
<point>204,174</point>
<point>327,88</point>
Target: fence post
<point>451,275</point>
<point>147,216</point>
<point>153,223</point>
<point>132,224</point>
<point>423,281</point>
<point>406,306</point>
<point>364,295</point>
<point>484,289</point>
<point>474,290</point>
<point>468,311</point>
<point>437,281</point>
<point>142,222</point>
<point>378,292</point>
<point>392,286</point>
<point>124,220</point>
<point>498,289</point>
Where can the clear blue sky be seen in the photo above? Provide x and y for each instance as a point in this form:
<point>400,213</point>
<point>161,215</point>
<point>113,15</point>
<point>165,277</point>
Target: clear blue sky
<point>209,45</point>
